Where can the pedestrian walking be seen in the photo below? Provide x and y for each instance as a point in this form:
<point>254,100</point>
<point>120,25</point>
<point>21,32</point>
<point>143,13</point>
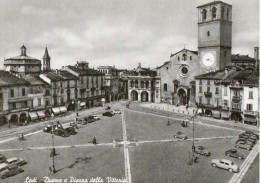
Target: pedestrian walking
<point>95,141</point>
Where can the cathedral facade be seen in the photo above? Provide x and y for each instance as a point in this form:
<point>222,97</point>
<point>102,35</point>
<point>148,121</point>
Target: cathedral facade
<point>214,53</point>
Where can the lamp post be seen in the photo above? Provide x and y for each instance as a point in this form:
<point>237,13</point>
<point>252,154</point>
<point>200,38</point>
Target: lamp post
<point>193,128</point>
<point>53,152</point>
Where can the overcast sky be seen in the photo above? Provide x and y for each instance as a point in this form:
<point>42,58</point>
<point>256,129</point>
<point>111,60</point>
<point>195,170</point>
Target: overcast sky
<point>109,32</point>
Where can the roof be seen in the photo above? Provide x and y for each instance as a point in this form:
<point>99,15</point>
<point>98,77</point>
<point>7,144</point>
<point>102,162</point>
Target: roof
<point>165,63</point>
<point>46,54</point>
<point>30,78</point>
<point>22,59</point>
<point>242,58</point>
<point>85,71</point>
<point>11,159</point>
<point>67,75</point>
<point>106,67</point>
<point>54,76</point>
<point>194,52</point>
<point>8,79</point>
<point>253,79</point>
<point>217,75</point>
<point>3,165</point>
<point>212,3</point>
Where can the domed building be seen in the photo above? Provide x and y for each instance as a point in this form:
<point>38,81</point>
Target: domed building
<point>23,64</point>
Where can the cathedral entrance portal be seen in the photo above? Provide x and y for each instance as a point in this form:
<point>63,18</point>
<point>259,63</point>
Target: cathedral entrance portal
<point>182,97</point>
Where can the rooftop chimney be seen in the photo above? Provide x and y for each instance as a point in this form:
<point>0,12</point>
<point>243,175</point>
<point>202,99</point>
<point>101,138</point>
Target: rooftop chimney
<point>256,56</point>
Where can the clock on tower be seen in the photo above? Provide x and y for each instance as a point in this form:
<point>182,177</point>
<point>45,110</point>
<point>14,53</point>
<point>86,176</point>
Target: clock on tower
<point>214,35</point>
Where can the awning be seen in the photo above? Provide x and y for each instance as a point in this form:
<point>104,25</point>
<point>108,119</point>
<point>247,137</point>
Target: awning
<point>216,114</point>
<point>250,119</point>
<point>82,104</point>
<point>63,109</point>
<point>56,110</point>
<point>33,115</point>
<point>41,114</point>
<point>224,114</point>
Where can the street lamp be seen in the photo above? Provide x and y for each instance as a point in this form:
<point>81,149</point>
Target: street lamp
<point>193,127</point>
<point>53,153</point>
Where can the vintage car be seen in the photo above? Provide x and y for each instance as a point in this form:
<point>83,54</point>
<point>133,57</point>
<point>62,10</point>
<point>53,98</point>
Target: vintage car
<point>243,145</point>
<point>109,113</point>
<point>65,132</point>
<point>15,162</point>
<point>252,134</point>
<point>202,151</point>
<point>234,153</point>
<point>179,135</point>
<point>225,164</point>
<point>6,171</point>
<point>117,111</point>
<point>48,128</point>
<point>95,117</point>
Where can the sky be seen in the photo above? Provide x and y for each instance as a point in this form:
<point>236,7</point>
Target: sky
<point>114,32</point>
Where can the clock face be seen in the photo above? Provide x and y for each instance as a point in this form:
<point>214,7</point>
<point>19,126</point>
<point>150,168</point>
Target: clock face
<point>208,59</point>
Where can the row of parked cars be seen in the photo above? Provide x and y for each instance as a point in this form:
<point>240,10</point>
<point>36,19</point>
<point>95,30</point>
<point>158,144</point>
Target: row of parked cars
<point>57,129</point>
<point>246,140</point>
<point>10,166</point>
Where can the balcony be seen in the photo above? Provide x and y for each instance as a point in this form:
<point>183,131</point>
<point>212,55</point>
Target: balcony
<point>250,112</point>
<point>19,109</point>
<point>236,99</point>
<point>208,94</point>
<point>236,109</point>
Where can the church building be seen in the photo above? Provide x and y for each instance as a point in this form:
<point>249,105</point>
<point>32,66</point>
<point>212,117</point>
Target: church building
<point>214,53</point>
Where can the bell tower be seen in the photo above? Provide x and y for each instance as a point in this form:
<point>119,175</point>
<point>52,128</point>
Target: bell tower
<point>214,35</point>
<point>46,61</point>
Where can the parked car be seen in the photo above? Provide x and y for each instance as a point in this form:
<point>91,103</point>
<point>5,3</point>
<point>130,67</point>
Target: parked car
<point>89,119</point>
<point>234,153</point>
<point>6,171</point>
<point>202,151</point>
<point>2,158</point>
<point>252,134</point>
<point>15,162</point>
<point>48,128</point>
<point>107,107</point>
<point>117,111</point>
<point>71,130</point>
<point>243,145</point>
<point>109,113</point>
<point>249,134</point>
<point>247,141</point>
<point>225,164</point>
<point>95,117</point>
<point>179,135</point>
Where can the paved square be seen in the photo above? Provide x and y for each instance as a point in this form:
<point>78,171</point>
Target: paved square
<point>135,146</point>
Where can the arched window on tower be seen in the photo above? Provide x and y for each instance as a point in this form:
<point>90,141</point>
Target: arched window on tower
<point>227,14</point>
<point>214,13</point>
<point>184,56</point>
<point>222,12</point>
<point>204,15</point>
